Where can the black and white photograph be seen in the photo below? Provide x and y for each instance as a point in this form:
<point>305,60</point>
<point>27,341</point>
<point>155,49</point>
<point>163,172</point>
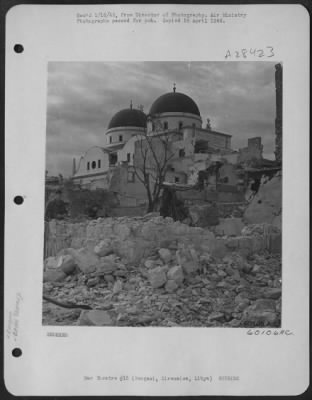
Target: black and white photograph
<point>163,194</point>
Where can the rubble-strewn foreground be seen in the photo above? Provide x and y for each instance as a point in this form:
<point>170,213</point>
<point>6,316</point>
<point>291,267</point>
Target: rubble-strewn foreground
<point>152,271</point>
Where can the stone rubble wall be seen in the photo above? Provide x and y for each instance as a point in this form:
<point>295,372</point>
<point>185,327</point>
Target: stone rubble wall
<point>132,237</point>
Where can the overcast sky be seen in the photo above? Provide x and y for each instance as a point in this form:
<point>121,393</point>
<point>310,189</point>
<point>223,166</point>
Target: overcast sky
<point>238,97</point>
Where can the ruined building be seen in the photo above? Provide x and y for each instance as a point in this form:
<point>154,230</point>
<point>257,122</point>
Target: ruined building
<point>195,148</point>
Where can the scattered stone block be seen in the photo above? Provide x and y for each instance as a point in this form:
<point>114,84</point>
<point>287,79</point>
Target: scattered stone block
<point>232,243</point>
<point>158,277</point>
<point>272,293</point>
<point>229,227</point>
<point>54,275</point>
<point>103,248</point>
<point>133,250</point>
<point>165,255</point>
<point>219,249</point>
<point>92,281</point>
<point>67,264</point>
<point>86,261</point>
<point>188,259</point>
<point>215,316</point>
<point>109,278</point>
<point>149,264</point>
<point>171,286</point>
<point>256,268</point>
<point>222,273</point>
<point>51,263</point>
<point>176,274</point>
<point>106,265</point>
<point>262,311</point>
<point>95,318</point>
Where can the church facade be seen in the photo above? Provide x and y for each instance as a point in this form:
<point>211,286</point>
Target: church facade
<point>174,115</point>
<point>194,148</point>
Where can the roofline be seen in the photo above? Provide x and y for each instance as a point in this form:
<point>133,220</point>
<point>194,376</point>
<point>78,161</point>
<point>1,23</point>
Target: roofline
<point>209,131</point>
<point>125,128</point>
<point>174,113</point>
<point>90,175</point>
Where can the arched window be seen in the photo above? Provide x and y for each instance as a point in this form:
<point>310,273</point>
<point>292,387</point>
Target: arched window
<point>88,165</point>
<point>110,139</point>
<point>93,165</point>
<point>120,138</point>
<point>165,125</point>
<point>99,163</point>
<point>180,124</point>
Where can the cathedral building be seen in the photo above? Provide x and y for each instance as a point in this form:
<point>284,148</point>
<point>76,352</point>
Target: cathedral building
<point>173,114</point>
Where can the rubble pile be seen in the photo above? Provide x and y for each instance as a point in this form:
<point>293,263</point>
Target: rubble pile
<point>152,271</point>
<point>134,237</point>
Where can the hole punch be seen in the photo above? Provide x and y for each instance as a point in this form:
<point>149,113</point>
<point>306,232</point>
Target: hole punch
<point>18,200</point>
<point>17,352</point>
<point>18,48</point>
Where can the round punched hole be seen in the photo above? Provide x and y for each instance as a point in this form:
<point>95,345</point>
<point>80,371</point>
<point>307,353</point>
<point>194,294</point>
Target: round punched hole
<point>17,352</point>
<point>18,48</point>
<point>18,200</point>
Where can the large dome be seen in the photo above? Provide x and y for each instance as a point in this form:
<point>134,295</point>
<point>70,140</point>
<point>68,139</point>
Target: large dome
<point>128,117</point>
<point>174,102</point>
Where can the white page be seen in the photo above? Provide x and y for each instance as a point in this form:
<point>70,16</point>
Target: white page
<point>266,363</point>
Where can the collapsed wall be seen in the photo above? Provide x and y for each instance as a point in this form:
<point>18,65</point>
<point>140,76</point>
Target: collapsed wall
<point>266,206</point>
<point>132,238</point>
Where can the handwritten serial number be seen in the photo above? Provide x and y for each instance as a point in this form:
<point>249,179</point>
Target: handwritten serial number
<point>269,332</point>
<point>266,52</point>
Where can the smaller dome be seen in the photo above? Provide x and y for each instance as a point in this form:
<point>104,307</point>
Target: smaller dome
<point>128,117</point>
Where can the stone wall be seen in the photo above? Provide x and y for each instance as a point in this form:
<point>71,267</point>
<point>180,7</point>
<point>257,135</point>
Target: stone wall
<point>132,238</point>
<point>266,206</point>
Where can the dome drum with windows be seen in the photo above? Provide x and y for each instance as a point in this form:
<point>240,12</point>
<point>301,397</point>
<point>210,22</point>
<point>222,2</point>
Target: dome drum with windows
<point>173,110</point>
<point>124,124</point>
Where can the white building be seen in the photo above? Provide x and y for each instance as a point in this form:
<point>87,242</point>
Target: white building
<point>174,114</point>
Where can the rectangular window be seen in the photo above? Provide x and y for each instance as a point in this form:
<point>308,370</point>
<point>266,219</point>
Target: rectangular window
<point>112,159</point>
<point>120,138</point>
<point>165,125</point>
<point>180,125</point>
<point>131,176</point>
<point>88,165</point>
<point>181,153</point>
<point>110,139</point>
<point>176,179</point>
<point>99,163</point>
<point>128,157</point>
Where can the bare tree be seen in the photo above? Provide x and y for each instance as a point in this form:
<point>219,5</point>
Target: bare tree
<point>151,163</point>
